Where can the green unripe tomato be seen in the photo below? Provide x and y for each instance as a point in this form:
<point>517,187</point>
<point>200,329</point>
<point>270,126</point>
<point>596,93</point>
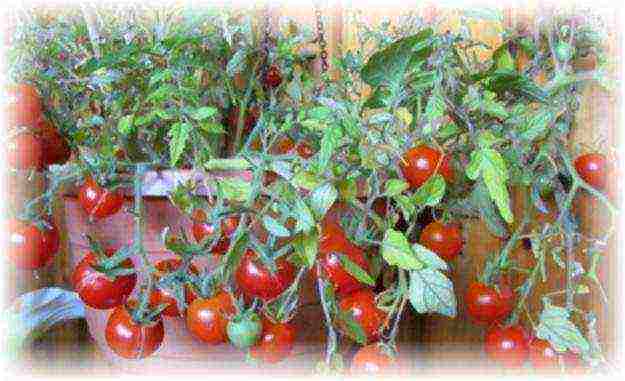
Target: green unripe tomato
<point>244,330</point>
<point>564,52</point>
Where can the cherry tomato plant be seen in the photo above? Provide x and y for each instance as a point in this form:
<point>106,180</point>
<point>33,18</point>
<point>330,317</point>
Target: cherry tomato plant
<point>364,182</point>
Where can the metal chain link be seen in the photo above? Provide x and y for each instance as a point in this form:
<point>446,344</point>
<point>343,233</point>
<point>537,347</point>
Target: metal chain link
<point>323,46</point>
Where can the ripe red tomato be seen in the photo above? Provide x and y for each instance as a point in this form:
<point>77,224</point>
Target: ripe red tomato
<point>444,240</point>
<point>25,152</point>
<point>362,308</point>
<point>419,164</point>
<point>507,346</point>
<point>22,105</point>
<point>202,229</point>
<point>29,247</point>
<point>130,339</point>
<point>207,319</point>
<point>97,289</point>
<point>164,296</point>
<point>276,342</point>
<point>55,147</point>
<point>273,77</point>
<point>304,150</point>
<point>486,305</point>
<point>592,169</point>
<point>256,281</point>
<point>370,360</point>
<point>545,359</point>
<point>99,202</point>
<point>332,243</point>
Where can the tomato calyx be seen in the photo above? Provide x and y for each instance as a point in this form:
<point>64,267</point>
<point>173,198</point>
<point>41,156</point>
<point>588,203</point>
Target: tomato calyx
<point>110,263</point>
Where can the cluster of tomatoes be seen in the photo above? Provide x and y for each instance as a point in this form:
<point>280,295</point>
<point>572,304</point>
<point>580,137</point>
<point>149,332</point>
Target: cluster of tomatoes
<point>33,144</point>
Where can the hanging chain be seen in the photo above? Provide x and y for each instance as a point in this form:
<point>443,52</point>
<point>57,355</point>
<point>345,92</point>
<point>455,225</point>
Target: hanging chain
<point>321,40</point>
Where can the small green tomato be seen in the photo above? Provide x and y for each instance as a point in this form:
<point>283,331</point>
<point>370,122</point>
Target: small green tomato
<point>244,330</point>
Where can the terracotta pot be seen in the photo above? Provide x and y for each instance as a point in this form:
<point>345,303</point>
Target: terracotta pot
<point>179,350</point>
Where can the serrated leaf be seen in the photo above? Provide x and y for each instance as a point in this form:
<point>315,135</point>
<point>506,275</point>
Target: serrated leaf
<point>431,192</point>
<point>235,189</point>
<point>488,212</point>
<point>322,198</point>
<point>406,205</point>
<point>431,291</point>
<point>179,134</point>
<point>307,245</point>
<point>395,186</point>
<point>396,251</point>
<point>554,326</point>
<point>125,125</point>
<point>203,113</point>
<point>329,142</point>
<point>538,124</point>
<point>356,271</point>
<point>429,258</point>
<point>274,227</point>
<point>304,217</point>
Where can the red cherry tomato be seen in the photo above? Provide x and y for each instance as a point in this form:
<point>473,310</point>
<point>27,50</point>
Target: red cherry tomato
<point>304,150</point>
<point>55,147</point>
<point>275,343</point>
<point>202,229</point>
<point>164,296</point>
<point>256,281</point>
<point>486,305</point>
<point>371,360</point>
<point>130,339</point>
<point>29,247</point>
<point>25,152</point>
<point>22,105</point>
<point>592,169</point>
<point>207,319</point>
<point>332,243</point>
<point>419,164</point>
<point>545,359</point>
<point>507,346</point>
<point>97,289</point>
<point>444,240</point>
<point>273,77</point>
<point>99,202</point>
<point>362,308</point>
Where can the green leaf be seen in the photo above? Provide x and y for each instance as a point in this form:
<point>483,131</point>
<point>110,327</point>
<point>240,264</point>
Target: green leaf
<point>236,63</point>
<point>395,187</point>
<point>125,126</point>
<point>434,109</point>
<point>396,251</point>
<point>352,328</point>
<point>431,192</point>
<point>391,62</point>
<point>160,76</point>
<point>429,258</point>
<point>274,227</point>
<point>304,217</point>
<point>482,202</point>
<point>538,124</point>
<point>406,204</point>
<point>356,271</point>
<point>306,180</point>
<point>179,134</point>
<point>306,245</point>
<point>203,113</point>
<point>235,189</point>
<point>322,198</point>
<point>503,58</point>
<point>554,326</point>
<point>431,291</point>
<point>329,142</point>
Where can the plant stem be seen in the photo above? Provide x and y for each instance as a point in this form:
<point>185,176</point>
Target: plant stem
<point>147,268</point>
<point>332,337</point>
<point>243,110</point>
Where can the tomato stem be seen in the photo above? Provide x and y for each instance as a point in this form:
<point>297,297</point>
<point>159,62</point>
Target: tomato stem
<point>332,343</point>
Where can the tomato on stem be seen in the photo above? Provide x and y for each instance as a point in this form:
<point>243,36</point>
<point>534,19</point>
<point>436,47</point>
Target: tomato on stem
<point>485,304</point>
<point>372,359</point>
<point>545,359</point>
<point>162,295</point>
<point>207,318</point>
<point>99,290</point>
<point>361,306</point>
<point>202,229</point>
<point>333,243</point>
<point>443,239</point>
<point>25,151</point>
<point>97,201</point>
<point>131,339</point>
<point>256,281</point>
<point>276,341</point>
<point>55,148</point>
<point>507,346</point>
<point>419,164</point>
<point>273,77</point>
<point>592,168</point>
<point>31,247</point>
<point>244,330</point>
